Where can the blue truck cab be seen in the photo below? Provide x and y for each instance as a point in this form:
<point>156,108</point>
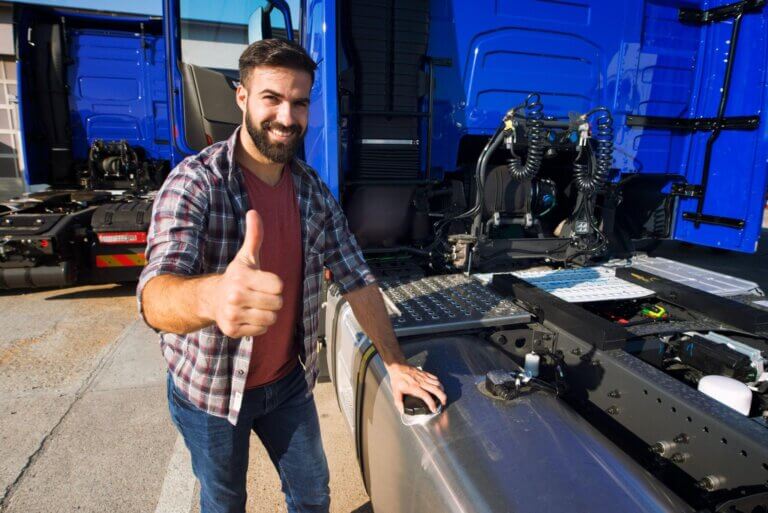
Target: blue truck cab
<point>96,141</point>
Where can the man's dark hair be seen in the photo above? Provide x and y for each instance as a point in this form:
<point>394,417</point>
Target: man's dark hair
<point>275,53</point>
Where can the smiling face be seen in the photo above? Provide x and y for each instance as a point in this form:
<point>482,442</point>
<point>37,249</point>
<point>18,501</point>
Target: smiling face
<point>275,105</point>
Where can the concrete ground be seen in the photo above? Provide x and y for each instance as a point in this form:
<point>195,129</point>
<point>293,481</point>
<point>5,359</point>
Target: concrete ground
<point>84,424</point>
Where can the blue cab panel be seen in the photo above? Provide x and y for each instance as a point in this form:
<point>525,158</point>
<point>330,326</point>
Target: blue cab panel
<point>117,91</point>
<point>639,58</point>
<point>321,144</point>
<point>85,76</point>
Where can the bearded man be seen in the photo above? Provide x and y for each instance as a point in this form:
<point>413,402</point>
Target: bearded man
<point>239,238</point>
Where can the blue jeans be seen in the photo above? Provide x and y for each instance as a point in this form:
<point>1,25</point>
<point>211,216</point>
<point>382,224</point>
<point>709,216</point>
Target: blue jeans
<point>285,420</point>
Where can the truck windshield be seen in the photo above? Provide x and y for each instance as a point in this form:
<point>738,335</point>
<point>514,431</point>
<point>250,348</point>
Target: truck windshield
<point>214,34</point>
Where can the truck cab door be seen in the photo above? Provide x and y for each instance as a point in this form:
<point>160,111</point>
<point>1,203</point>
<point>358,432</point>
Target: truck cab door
<point>322,142</point>
<point>724,132</point>
<point>203,43</point>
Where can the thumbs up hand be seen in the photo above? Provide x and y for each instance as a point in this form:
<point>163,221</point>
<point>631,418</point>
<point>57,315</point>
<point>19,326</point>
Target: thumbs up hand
<point>254,237</point>
<point>247,298</point>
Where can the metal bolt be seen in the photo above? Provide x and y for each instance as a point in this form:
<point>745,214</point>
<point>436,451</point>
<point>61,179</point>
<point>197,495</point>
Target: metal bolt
<point>613,410</point>
<point>661,448</point>
<point>576,351</point>
<point>679,457</point>
<point>682,438</point>
<point>614,394</point>
<point>711,483</point>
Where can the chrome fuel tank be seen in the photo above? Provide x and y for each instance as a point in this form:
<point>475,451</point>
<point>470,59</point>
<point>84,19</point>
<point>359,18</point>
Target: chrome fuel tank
<point>531,454</point>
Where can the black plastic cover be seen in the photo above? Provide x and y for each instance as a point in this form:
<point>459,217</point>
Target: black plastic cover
<point>412,405</point>
<point>28,224</point>
<point>713,358</point>
<point>129,216</point>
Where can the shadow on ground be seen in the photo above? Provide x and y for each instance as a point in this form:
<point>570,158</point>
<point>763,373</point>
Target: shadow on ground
<point>365,508</point>
<point>121,290</point>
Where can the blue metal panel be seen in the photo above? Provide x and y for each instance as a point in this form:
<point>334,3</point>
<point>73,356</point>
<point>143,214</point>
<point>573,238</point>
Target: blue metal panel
<point>135,6</point>
<point>737,180</point>
<point>30,166</point>
<point>117,91</point>
<point>633,56</point>
<point>322,139</point>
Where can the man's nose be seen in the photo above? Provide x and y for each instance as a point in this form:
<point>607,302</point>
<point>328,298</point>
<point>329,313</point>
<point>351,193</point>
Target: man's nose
<point>285,114</point>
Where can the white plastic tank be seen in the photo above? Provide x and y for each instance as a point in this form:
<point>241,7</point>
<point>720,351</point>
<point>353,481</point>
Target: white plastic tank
<point>730,392</point>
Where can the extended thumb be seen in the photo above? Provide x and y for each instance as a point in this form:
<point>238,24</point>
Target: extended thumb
<point>254,236</point>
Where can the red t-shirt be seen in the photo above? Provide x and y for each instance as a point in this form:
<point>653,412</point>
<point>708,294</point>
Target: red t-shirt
<point>275,353</point>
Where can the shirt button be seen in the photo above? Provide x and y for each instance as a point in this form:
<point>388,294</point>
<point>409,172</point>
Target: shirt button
<point>240,372</point>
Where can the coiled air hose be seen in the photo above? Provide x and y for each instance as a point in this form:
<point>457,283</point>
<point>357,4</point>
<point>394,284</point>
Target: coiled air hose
<point>591,175</point>
<point>534,115</point>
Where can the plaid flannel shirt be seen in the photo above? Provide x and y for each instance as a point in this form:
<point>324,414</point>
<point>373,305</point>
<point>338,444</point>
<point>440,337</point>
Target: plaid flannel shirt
<point>198,225</point>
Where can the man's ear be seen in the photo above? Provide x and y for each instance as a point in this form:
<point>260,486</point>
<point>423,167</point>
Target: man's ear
<point>241,96</point>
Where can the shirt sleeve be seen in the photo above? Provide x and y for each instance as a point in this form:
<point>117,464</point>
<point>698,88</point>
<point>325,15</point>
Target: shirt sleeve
<point>176,236</point>
<point>343,256</point>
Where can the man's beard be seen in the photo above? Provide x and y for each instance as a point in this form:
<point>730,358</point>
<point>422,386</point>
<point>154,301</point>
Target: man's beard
<point>279,152</point>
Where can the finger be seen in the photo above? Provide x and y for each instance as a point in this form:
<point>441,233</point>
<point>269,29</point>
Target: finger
<point>243,330</point>
<point>250,330</point>
<point>437,391</point>
<point>254,236</point>
<point>263,301</point>
<point>424,396</point>
<point>428,378</point>
<point>256,317</point>
<point>268,283</point>
<point>399,402</point>
<point>429,375</point>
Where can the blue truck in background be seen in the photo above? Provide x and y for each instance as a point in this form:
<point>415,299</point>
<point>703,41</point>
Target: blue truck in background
<point>109,105</point>
<point>499,163</point>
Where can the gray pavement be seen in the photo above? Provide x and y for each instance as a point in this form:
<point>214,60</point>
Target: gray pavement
<point>84,423</point>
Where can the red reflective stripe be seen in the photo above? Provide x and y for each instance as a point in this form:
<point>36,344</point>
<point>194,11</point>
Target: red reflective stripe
<point>124,260</point>
<point>129,260</point>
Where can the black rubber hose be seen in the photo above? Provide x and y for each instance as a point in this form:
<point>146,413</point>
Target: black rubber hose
<point>480,170</point>
<point>534,116</point>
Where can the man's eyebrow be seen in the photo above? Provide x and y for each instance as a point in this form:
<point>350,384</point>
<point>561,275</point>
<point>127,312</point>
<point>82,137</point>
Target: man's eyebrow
<point>270,91</point>
<point>278,95</point>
